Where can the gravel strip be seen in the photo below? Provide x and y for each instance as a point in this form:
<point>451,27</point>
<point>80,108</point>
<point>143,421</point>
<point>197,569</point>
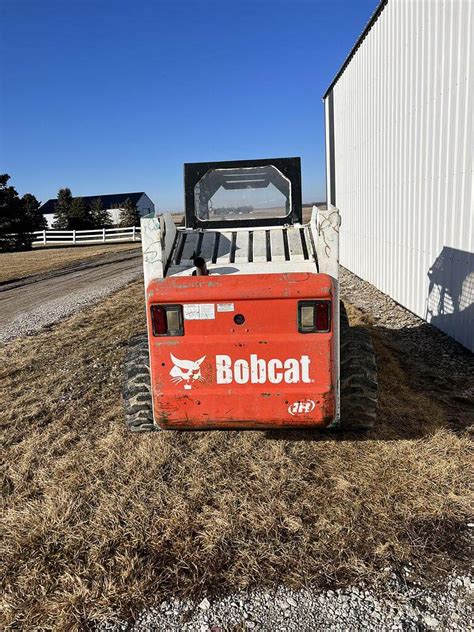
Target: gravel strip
<point>403,607</point>
<point>389,315</point>
<point>444,367</point>
<point>48,312</point>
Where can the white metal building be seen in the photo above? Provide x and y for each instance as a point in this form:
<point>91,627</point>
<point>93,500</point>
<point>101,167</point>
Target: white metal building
<point>399,155</point>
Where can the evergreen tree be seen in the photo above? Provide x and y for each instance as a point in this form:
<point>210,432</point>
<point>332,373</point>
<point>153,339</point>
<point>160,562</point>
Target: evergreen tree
<point>30,219</point>
<point>79,215</point>
<point>10,212</point>
<point>129,214</point>
<point>19,218</point>
<point>100,216</point>
<point>31,208</point>
<point>62,209</point>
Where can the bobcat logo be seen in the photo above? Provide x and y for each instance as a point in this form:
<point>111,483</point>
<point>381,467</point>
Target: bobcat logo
<point>186,371</point>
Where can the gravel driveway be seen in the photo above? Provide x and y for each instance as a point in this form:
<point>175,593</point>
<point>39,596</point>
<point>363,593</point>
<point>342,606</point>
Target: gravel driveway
<point>36,301</point>
<point>403,607</point>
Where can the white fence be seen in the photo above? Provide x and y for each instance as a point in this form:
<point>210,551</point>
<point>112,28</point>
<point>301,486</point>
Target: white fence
<point>96,236</point>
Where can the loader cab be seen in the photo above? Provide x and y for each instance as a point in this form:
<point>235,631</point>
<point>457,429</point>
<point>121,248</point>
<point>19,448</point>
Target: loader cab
<point>243,193</point>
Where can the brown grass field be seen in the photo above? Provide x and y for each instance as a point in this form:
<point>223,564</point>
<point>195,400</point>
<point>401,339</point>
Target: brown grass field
<point>97,522</point>
<point>16,265</point>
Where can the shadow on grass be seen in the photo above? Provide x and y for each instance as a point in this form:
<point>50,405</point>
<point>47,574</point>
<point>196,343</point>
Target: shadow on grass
<point>425,384</point>
<point>84,247</point>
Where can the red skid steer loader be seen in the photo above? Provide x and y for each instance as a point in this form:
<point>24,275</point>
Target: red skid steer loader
<point>245,328</point>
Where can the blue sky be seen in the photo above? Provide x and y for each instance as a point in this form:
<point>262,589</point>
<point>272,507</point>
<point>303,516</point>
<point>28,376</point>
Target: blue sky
<point>108,96</point>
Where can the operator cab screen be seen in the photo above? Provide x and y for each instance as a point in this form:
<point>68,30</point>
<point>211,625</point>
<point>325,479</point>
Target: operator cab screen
<point>243,193</point>
<point>251,193</point>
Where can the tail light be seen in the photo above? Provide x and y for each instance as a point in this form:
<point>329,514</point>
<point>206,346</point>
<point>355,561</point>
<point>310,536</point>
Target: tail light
<point>167,320</point>
<point>322,315</point>
<point>314,317</point>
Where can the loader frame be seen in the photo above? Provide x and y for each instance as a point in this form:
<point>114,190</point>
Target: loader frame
<point>245,328</point>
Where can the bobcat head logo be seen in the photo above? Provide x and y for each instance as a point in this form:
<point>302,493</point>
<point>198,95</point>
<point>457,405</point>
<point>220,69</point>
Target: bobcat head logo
<point>186,371</point>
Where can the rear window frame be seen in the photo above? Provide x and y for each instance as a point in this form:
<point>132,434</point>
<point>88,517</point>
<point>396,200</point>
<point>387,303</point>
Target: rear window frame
<point>289,167</point>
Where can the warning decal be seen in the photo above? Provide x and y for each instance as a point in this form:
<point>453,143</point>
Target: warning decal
<point>199,311</point>
<point>225,307</point>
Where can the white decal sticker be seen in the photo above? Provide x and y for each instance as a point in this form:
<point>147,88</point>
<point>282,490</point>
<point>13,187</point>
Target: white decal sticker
<point>302,407</point>
<point>186,371</point>
<point>255,370</point>
<point>260,371</point>
<point>199,311</point>
<point>225,307</point>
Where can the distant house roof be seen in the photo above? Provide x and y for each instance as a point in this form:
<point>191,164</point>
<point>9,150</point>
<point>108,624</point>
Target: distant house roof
<point>112,200</point>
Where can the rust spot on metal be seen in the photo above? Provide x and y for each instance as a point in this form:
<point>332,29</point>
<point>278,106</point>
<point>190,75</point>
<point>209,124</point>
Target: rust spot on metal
<point>165,343</point>
<point>177,283</point>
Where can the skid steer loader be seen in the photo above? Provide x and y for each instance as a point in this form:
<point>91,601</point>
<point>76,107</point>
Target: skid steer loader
<point>245,329</point>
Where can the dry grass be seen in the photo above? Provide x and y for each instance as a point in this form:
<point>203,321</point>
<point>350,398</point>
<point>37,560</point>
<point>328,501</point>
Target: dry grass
<point>16,265</point>
<point>98,522</point>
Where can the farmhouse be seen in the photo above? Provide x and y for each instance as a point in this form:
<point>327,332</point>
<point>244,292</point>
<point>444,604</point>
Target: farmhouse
<point>111,201</point>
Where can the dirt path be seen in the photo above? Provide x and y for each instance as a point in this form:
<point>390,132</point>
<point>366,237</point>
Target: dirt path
<point>15,266</point>
<point>28,304</point>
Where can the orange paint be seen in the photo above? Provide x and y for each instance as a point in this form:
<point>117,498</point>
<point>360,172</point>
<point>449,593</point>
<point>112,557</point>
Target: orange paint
<point>262,373</point>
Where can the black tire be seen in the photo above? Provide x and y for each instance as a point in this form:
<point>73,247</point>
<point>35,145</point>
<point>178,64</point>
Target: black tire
<point>359,388</point>
<point>137,386</point>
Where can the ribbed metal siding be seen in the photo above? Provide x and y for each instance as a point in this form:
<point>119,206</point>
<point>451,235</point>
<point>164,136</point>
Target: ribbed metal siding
<point>400,162</point>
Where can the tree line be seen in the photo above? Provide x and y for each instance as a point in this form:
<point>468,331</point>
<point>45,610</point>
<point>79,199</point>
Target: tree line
<point>74,214</point>
<point>20,217</point>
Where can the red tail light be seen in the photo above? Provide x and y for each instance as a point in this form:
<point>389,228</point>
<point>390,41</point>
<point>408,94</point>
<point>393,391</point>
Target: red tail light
<point>158,319</point>
<point>314,317</point>
<point>321,315</point>
<point>167,320</point>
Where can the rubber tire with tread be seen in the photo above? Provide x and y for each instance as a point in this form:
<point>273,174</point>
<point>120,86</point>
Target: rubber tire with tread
<point>359,388</point>
<point>137,386</point>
